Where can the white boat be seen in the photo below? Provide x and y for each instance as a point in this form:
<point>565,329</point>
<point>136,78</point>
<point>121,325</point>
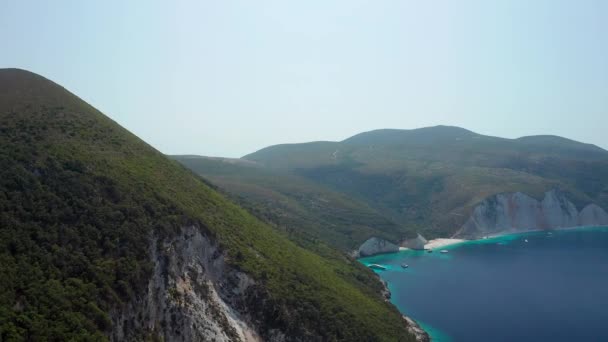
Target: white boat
<point>376,266</point>
<point>443,251</point>
<point>526,240</point>
<point>405,265</point>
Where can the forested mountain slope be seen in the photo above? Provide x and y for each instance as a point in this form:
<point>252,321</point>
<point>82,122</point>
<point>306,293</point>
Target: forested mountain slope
<point>301,208</point>
<point>103,237</point>
<point>432,178</point>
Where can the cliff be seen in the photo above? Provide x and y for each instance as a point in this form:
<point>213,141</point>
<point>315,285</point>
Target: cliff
<point>376,245</point>
<point>192,296</point>
<point>417,243</point>
<point>515,212</point>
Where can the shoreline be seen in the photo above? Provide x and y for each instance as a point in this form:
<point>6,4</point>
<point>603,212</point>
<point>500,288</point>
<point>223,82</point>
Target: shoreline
<point>449,243</point>
<point>443,242</point>
<point>436,244</point>
<point>427,331</point>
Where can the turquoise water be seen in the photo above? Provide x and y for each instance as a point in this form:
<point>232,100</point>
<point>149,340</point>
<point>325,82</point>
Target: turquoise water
<point>552,288</point>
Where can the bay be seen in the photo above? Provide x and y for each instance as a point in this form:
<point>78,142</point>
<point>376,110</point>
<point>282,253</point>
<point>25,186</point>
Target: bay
<point>554,287</point>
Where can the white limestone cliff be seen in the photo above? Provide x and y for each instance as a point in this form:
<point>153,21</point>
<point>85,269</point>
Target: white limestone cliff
<point>516,212</point>
<point>376,245</point>
<point>416,243</point>
<point>192,296</point>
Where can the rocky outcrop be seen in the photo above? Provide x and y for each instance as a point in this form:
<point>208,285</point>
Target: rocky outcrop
<point>593,215</point>
<point>193,295</point>
<point>416,243</point>
<point>376,245</point>
<point>416,330</point>
<point>515,212</point>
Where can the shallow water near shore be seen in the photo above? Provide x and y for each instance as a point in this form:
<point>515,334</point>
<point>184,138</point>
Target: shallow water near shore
<point>552,288</point>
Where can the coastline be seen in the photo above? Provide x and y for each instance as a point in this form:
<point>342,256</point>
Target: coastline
<point>415,328</point>
<point>506,238</point>
<point>502,238</point>
<point>449,243</point>
<point>443,242</point>
<point>437,243</point>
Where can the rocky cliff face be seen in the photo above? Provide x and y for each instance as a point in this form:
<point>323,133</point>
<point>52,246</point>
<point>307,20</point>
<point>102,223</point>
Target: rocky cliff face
<point>193,295</point>
<point>376,245</point>
<point>593,215</point>
<point>416,243</point>
<point>514,212</point>
<point>412,326</point>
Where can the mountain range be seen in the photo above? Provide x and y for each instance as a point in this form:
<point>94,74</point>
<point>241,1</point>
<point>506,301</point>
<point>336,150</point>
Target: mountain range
<point>438,181</point>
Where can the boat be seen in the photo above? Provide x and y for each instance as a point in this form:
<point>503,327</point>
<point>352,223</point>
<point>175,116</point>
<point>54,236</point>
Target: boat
<point>405,265</point>
<point>526,240</point>
<point>443,251</point>
<point>376,267</point>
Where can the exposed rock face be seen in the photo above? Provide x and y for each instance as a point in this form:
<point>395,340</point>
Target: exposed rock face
<point>416,243</point>
<point>558,211</point>
<point>513,212</point>
<point>193,295</point>
<point>376,245</point>
<point>593,215</point>
<point>416,330</point>
<point>413,327</point>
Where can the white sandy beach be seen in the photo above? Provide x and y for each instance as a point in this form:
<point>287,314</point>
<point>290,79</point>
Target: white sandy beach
<point>439,243</point>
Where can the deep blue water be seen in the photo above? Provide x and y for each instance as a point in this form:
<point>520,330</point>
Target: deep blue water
<point>552,288</point>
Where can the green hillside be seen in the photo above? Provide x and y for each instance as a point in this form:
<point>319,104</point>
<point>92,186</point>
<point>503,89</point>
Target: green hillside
<point>431,178</point>
<point>302,209</point>
<point>80,199</point>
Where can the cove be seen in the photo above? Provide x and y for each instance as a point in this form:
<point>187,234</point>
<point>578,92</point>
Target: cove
<point>554,287</point>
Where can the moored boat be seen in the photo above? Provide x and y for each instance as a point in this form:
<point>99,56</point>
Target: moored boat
<point>376,266</point>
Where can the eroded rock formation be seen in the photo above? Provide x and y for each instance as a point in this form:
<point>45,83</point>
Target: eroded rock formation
<point>193,295</point>
<point>514,212</point>
<point>376,245</point>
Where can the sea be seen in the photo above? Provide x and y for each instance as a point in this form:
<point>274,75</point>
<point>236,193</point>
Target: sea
<point>536,286</point>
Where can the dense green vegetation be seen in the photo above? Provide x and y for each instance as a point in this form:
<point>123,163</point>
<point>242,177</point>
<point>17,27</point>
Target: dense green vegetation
<point>426,180</point>
<point>431,178</point>
<point>80,198</point>
<point>302,209</point>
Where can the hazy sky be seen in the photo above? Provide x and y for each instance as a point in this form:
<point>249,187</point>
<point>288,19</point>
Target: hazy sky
<point>228,77</point>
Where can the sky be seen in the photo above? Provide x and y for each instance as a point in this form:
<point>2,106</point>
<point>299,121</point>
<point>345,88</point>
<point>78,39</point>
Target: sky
<point>228,77</point>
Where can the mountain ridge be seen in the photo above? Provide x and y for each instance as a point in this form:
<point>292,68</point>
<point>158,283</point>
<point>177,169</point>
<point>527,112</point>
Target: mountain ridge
<point>429,180</point>
<point>449,132</point>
